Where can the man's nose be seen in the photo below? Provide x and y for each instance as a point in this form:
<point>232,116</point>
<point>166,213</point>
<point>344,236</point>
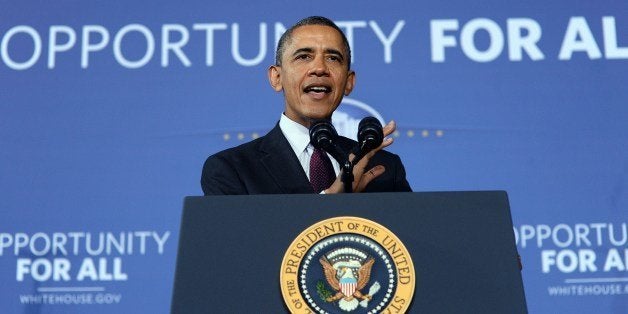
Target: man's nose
<point>319,67</point>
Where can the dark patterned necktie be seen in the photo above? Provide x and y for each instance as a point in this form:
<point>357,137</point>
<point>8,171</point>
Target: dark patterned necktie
<point>321,171</point>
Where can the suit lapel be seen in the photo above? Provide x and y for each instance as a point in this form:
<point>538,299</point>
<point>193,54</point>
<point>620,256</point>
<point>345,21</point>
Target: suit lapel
<point>282,165</point>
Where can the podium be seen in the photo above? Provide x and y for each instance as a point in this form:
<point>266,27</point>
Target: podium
<point>231,249</point>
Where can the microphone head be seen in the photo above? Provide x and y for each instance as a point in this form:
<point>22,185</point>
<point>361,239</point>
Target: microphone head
<point>322,134</point>
<point>370,133</point>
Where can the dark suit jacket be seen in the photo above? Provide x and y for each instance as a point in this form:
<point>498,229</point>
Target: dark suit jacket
<point>268,165</point>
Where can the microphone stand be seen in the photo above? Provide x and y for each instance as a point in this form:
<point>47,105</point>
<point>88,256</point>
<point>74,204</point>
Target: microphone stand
<point>347,176</point>
<point>346,166</point>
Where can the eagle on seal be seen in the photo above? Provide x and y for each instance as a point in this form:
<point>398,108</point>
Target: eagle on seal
<point>341,278</point>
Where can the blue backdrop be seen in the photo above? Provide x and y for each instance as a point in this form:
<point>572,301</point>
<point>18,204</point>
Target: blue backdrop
<point>108,110</point>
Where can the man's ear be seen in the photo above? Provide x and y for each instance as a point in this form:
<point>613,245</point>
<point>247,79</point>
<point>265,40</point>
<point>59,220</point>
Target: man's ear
<point>274,77</point>
<point>350,83</point>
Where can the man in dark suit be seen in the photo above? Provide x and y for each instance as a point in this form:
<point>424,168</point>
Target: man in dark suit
<point>312,68</point>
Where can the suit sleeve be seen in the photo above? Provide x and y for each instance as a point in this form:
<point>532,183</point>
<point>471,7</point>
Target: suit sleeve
<point>393,179</point>
<point>401,184</point>
<point>219,177</point>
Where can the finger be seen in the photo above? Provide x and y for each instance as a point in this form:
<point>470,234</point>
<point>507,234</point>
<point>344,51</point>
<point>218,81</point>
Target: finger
<point>389,128</point>
<point>385,143</point>
<point>362,163</point>
<point>336,187</point>
<point>369,176</point>
<point>351,157</point>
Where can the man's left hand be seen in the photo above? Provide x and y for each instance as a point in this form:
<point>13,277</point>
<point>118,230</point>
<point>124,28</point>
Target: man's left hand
<point>361,177</point>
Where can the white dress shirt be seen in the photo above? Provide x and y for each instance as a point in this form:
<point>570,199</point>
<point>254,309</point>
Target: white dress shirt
<point>299,138</point>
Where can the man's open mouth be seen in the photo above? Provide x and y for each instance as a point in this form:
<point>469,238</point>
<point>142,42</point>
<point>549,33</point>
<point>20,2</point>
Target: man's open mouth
<point>317,89</point>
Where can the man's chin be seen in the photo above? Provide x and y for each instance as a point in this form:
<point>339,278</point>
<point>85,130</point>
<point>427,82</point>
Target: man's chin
<point>319,116</point>
<point>320,111</point>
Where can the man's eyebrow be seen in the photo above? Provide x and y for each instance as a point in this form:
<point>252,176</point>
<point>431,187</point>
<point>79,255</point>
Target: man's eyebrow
<point>335,52</point>
<point>300,50</point>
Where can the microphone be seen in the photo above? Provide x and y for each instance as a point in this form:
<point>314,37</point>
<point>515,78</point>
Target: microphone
<point>370,136</point>
<point>370,133</point>
<point>323,135</point>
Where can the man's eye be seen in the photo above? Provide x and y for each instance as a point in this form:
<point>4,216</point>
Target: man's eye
<point>334,58</point>
<point>302,57</point>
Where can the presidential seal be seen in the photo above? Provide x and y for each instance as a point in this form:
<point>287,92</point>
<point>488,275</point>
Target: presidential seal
<point>347,265</point>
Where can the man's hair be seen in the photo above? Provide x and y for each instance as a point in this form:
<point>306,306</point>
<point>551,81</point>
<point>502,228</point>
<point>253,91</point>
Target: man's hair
<point>312,20</point>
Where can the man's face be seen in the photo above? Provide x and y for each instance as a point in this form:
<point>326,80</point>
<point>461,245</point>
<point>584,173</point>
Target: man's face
<point>314,74</point>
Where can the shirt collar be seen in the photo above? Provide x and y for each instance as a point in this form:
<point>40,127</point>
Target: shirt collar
<point>298,136</point>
